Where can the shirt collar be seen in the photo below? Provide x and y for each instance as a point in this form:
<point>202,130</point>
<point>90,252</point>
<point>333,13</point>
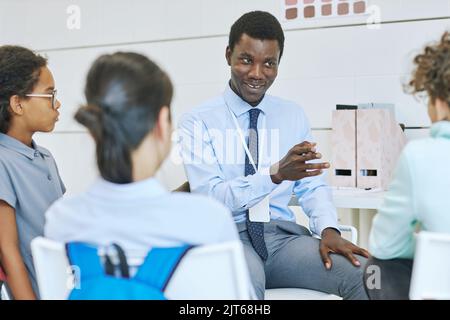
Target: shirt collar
<point>16,145</point>
<point>440,129</point>
<point>239,106</point>
<point>147,188</point>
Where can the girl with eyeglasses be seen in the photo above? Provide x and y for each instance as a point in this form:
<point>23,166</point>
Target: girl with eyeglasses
<point>29,178</point>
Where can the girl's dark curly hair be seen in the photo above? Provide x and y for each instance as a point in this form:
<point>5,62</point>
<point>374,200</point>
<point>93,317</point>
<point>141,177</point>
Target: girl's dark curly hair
<point>19,73</point>
<point>432,71</point>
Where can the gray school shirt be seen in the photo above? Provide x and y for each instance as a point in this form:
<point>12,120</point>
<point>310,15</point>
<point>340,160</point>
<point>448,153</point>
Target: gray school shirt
<point>30,183</point>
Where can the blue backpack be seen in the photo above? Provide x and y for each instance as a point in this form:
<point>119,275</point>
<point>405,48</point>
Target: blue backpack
<point>97,281</point>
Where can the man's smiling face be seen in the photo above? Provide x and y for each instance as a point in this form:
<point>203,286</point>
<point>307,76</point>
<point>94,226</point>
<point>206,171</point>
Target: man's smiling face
<point>254,67</point>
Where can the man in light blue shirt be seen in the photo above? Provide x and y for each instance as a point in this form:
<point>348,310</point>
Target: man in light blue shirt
<point>231,148</point>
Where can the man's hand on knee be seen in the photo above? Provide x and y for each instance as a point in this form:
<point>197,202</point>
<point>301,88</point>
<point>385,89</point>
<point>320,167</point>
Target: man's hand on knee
<point>333,242</point>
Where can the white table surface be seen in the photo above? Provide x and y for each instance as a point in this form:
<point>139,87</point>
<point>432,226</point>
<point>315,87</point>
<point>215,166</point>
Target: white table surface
<point>353,198</point>
<point>358,198</point>
<point>363,203</point>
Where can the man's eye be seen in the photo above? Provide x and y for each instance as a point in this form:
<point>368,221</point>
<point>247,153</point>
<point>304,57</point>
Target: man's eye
<point>246,60</point>
<point>270,64</point>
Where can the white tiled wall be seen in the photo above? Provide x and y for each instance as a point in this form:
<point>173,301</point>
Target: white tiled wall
<point>118,21</point>
<point>326,61</point>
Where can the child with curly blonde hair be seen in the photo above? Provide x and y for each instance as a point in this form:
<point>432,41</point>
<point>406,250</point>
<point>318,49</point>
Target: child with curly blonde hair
<point>418,194</point>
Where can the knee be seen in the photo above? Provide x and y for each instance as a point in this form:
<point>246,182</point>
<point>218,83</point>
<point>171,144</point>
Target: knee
<point>356,274</point>
<point>353,282</point>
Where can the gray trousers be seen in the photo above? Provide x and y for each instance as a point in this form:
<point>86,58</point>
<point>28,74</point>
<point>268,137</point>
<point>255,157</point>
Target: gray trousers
<point>395,278</point>
<point>294,262</point>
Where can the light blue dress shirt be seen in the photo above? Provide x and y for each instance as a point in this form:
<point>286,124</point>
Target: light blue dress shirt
<point>214,158</point>
<point>419,194</point>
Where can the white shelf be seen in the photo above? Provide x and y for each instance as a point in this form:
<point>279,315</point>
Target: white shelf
<point>358,198</point>
<point>353,198</point>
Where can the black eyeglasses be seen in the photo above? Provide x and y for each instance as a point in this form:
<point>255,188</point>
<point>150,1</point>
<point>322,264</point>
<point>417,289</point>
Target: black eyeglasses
<point>45,95</point>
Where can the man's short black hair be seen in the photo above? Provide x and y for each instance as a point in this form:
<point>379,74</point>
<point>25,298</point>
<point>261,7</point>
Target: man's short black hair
<point>258,25</point>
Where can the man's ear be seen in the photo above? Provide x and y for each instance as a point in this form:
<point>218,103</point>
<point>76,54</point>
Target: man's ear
<point>14,104</point>
<point>228,55</point>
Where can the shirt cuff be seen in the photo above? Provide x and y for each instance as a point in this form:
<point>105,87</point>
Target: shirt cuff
<point>265,181</point>
<point>323,223</point>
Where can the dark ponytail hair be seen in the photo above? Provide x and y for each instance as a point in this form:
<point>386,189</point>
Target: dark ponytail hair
<point>125,92</point>
<point>19,73</point>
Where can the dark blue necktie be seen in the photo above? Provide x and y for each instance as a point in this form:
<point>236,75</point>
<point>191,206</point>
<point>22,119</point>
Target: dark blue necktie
<point>254,229</point>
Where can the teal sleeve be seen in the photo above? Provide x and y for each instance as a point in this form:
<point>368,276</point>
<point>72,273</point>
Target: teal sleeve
<point>392,234</point>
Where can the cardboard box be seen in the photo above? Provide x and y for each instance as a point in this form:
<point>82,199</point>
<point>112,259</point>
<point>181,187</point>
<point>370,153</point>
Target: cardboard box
<point>379,141</point>
<point>343,148</point>
<point>365,145</point>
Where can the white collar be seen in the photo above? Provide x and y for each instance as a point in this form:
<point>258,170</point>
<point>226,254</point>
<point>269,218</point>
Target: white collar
<point>147,188</point>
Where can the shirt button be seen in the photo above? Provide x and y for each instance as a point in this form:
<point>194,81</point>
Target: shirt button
<point>49,177</point>
<point>36,154</point>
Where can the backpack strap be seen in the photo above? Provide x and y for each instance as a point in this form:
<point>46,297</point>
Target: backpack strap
<point>85,257</point>
<point>110,267</point>
<point>160,264</point>
<point>123,264</point>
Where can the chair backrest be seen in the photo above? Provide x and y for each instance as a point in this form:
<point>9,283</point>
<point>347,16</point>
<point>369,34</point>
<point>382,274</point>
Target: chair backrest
<point>431,269</point>
<point>4,294</point>
<point>216,271</point>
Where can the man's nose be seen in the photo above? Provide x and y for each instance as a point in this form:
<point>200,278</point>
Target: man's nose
<point>256,72</point>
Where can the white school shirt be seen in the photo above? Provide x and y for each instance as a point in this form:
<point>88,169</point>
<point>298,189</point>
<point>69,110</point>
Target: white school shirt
<point>138,216</point>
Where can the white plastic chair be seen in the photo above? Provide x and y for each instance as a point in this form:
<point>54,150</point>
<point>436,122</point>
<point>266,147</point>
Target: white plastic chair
<point>207,272</point>
<point>4,293</point>
<point>307,294</point>
<point>431,268</point>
